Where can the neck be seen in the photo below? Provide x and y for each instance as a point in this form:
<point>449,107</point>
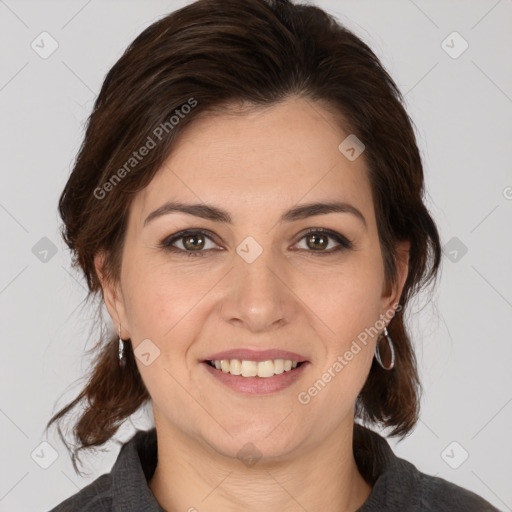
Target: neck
<point>192,476</point>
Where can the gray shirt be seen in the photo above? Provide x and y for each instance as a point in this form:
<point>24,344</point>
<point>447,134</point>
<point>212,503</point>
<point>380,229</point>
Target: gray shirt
<point>396,483</point>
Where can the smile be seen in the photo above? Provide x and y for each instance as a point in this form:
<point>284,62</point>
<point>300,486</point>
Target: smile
<point>247,368</point>
<point>256,377</point>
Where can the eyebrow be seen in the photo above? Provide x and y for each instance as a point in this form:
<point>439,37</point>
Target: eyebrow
<point>217,214</point>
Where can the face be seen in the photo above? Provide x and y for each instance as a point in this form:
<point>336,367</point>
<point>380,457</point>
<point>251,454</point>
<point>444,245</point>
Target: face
<point>255,279</point>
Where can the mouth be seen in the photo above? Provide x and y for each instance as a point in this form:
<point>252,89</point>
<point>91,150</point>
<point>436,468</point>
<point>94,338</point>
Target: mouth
<point>255,378</point>
<point>247,368</point>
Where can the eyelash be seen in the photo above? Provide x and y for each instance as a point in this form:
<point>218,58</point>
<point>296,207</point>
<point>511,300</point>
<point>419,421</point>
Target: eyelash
<point>166,244</point>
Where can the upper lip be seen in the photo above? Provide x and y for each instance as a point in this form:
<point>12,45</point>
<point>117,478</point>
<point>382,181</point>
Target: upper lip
<point>256,355</point>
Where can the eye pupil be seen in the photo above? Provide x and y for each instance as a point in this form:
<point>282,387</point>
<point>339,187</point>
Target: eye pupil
<point>316,238</point>
<point>194,246</point>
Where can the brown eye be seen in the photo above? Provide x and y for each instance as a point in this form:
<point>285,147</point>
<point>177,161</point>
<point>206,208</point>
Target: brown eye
<point>318,240</point>
<point>191,242</point>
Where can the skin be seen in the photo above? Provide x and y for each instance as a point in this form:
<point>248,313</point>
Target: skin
<point>255,165</point>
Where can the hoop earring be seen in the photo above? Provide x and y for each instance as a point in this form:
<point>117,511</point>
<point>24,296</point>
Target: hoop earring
<point>121,349</point>
<point>391,348</point>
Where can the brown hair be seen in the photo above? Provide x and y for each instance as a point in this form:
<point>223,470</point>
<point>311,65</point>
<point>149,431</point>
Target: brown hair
<point>206,57</point>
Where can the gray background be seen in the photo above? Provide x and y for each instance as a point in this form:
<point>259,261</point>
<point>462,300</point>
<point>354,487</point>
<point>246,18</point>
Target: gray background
<point>462,109</point>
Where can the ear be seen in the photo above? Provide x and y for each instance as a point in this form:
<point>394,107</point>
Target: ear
<point>112,296</point>
<point>392,296</point>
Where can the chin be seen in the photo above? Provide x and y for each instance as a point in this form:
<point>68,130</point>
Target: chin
<point>254,441</point>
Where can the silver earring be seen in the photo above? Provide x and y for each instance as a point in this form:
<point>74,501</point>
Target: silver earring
<point>391,348</point>
<point>121,349</point>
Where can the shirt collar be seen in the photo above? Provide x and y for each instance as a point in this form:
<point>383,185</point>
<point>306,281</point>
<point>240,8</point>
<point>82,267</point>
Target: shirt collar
<point>131,473</point>
<point>395,481</point>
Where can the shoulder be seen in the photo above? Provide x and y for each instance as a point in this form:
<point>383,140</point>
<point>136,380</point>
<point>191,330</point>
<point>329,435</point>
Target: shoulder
<point>93,497</point>
<point>403,487</point>
<point>399,485</point>
<point>125,487</point>
<point>434,494</point>
<point>437,494</point>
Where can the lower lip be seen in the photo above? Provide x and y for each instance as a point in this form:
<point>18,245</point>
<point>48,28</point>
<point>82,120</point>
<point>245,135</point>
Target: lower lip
<point>258,385</point>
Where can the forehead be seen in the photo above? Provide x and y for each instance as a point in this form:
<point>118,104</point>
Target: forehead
<point>266,159</point>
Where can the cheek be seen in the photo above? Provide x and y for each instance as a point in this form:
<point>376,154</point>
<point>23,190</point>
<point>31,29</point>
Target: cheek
<point>349,299</point>
<point>158,299</point>
<point>349,305</point>
<point>161,306</point>
<point>166,308</point>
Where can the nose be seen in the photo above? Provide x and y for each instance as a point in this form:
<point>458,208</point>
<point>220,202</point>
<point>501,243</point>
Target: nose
<point>257,296</point>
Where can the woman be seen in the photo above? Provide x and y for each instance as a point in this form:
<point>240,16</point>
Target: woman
<point>248,200</point>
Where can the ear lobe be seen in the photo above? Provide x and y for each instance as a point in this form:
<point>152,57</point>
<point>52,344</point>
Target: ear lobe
<point>111,297</point>
<point>402,268</point>
<point>403,250</point>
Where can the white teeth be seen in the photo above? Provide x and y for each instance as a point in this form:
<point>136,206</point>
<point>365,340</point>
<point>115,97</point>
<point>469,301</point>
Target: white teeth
<point>278,366</point>
<point>235,367</point>
<point>265,368</point>
<point>249,369</point>
<point>254,368</point>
